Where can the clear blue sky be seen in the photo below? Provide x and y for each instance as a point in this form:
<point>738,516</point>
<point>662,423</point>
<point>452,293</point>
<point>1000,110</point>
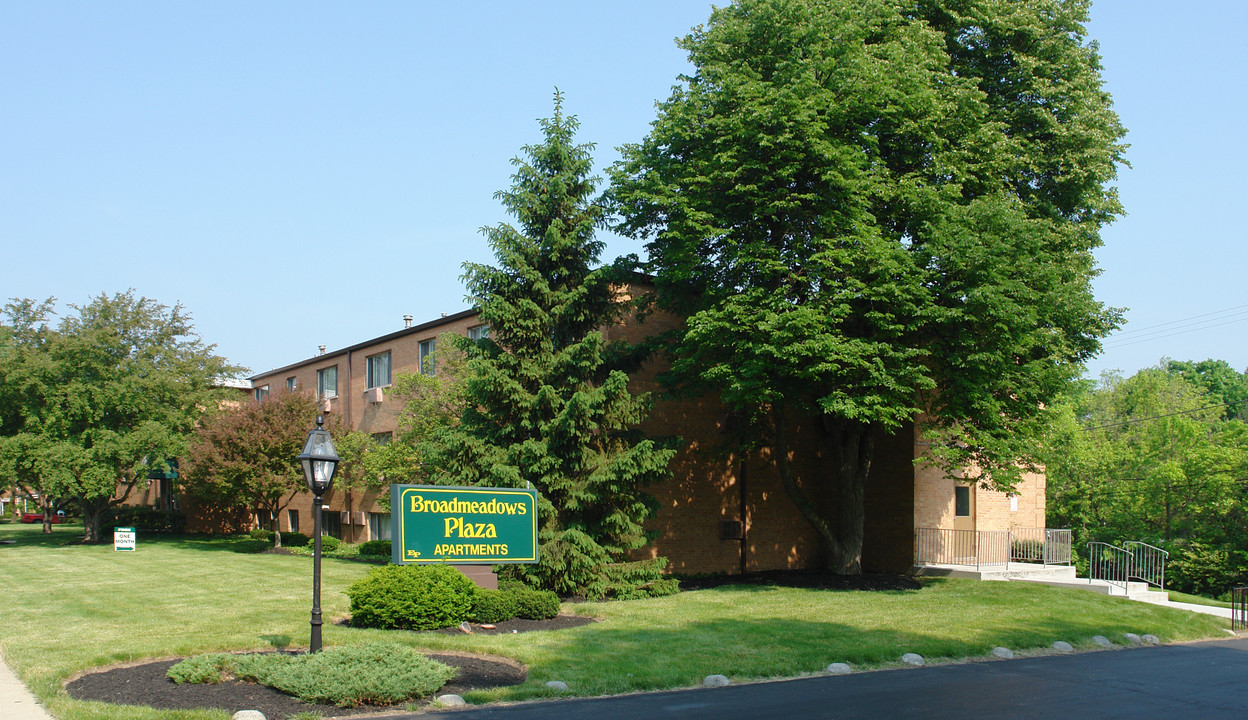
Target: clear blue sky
<point>306,173</point>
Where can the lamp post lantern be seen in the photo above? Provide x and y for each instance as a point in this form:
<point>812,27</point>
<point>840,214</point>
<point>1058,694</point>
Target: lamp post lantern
<point>319,462</point>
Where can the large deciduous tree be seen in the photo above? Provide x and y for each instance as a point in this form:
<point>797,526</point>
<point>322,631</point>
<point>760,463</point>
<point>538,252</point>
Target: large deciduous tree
<point>106,397</point>
<point>544,408</point>
<point>875,212</point>
<point>247,455</point>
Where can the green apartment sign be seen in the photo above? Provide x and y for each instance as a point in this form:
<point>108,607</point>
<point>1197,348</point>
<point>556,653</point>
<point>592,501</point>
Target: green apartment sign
<point>463,525</point>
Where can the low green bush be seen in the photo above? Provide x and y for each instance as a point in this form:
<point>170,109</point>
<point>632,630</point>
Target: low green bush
<point>146,519</point>
<point>251,546</point>
<point>261,534</point>
<point>329,543</point>
<point>348,675</point>
<point>200,670</point>
<point>492,606</point>
<point>534,604</point>
<point>375,548</point>
<point>411,597</point>
<point>294,539</point>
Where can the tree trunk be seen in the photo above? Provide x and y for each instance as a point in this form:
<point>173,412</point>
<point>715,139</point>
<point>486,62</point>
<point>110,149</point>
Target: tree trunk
<point>850,445</point>
<point>780,423</point>
<point>92,520</point>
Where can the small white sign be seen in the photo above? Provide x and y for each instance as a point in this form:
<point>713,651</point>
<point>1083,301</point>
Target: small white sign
<point>123,538</point>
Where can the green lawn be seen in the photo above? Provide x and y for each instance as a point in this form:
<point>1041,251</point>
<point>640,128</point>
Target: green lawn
<point>69,608</point>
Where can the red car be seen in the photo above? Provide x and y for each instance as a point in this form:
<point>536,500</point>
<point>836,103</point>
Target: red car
<point>38,518</point>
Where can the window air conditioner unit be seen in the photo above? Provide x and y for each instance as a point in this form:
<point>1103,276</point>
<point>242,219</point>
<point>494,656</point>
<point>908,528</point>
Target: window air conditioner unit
<point>357,517</point>
<point>374,395</point>
<point>346,518</point>
<point>326,405</point>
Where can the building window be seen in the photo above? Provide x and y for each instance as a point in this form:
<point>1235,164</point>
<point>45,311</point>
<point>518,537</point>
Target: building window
<point>379,370</point>
<point>428,364</point>
<point>478,332</point>
<point>292,518</point>
<point>331,524</point>
<point>379,526</point>
<point>290,384</point>
<point>327,382</point>
<point>962,501</point>
<point>383,438</point>
<point>262,392</point>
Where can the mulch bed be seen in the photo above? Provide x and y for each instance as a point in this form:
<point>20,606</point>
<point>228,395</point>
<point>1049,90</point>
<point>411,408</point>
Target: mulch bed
<point>147,684</point>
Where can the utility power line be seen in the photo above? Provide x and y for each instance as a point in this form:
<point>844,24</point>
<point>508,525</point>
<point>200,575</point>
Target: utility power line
<point>1182,326</point>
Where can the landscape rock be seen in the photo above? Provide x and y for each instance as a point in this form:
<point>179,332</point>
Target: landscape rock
<point>1003,653</point>
<point>913,659</point>
<point>1102,641</point>
<point>716,681</point>
<point>1063,647</point>
<point>1134,639</point>
<point>1152,640</point>
<point>559,685</point>
<point>839,669</point>
<point>248,715</point>
<point>451,701</point>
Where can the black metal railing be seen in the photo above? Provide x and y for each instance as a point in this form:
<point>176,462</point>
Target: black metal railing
<point>1239,608</point>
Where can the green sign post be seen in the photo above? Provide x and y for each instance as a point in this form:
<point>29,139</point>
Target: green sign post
<point>463,525</point>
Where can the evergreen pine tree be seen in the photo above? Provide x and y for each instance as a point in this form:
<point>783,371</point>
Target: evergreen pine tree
<point>544,407</point>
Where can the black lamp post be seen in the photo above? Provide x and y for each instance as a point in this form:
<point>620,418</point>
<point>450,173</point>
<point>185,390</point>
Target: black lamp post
<point>319,463</point>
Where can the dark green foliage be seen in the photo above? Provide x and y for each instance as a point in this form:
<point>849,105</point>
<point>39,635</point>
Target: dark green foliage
<point>329,543</point>
<point>200,669</point>
<point>294,539</point>
<point>1200,569</point>
<point>346,676</point>
<point>267,535</point>
<point>533,604</point>
<point>873,213</point>
<point>492,606</point>
<point>376,548</point>
<point>545,408</point>
<point>411,597</point>
<point>352,675</point>
<point>146,519</point>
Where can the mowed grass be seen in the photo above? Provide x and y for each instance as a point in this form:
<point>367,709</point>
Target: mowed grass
<point>69,608</point>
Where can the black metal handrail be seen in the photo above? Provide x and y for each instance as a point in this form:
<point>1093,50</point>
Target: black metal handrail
<point>1239,608</point>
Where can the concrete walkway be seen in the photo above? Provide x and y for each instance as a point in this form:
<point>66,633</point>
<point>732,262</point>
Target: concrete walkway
<point>17,702</point>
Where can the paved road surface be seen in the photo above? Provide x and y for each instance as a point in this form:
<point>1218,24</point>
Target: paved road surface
<point>1205,681</point>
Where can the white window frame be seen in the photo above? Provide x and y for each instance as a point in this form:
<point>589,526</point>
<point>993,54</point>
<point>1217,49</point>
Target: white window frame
<point>376,366</point>
<point>428,349</point>
<point>479,332</point>
<point>261,392</point>
<point>321,391</point>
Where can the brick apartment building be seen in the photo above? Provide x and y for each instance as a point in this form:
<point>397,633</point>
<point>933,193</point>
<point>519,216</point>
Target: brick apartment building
<point>719,512</point>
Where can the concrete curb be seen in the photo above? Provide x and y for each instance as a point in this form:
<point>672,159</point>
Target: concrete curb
<point>17,702</point>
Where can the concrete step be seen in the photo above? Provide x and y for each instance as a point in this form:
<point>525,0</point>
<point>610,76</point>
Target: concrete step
<point>1011,571</point>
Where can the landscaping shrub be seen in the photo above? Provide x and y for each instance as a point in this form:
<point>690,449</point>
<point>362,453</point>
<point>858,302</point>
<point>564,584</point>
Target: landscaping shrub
<point>329,543</point>
<point>261,534</point>
<point>146,519</point>
<point>200,670</point>
<point>411,597</point>
<point>375,548</point>
<point>346,676</point>
<point>294,539</point>
<point>492,606</point>
<point>534,604</point>
<point>1200,569</point>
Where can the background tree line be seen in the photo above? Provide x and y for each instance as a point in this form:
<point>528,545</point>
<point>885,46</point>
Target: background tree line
<point>1160,456</point>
